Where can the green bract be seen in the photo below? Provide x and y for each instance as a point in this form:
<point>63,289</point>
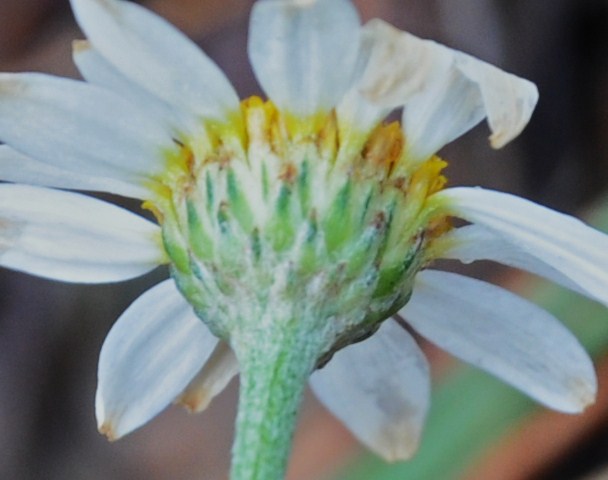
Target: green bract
<point>272,217</point>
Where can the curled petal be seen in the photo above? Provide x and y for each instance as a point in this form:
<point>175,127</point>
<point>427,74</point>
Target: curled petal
<point>155,55</point>
<point>304,52</point>
<point>444,92</point>
<point>380,390</point>
<point>508,100</point>
<point>560,241</point>
<point>74,238</point>
<point>150,355</point>
<point>505,335</point>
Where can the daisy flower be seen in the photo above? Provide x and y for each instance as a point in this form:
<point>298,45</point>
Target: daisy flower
<point>295,228</point>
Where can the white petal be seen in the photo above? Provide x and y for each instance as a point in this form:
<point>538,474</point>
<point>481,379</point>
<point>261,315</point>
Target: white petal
<point>474,242</point>
<point>95,69</point>
<point>563,242</point>
<point>71,237</point>
<point>215,375</point>
<point>304,52</point>
<point>505,335</point>
<point>379,389</point>
<point>151,353</point>
<point>19,168</point>
<point>154,54</point>
<point>80,128</point>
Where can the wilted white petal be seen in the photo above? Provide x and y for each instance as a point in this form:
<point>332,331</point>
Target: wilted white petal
<point>74,238</point>
<point>474,242</point>
<point>457,98</point>
<point>95,69</point>
<point>151,353</point>
<point>154,54</point>
<point>445,92</point>
<point>19,168</point>
<point>505,335</point>
<point>80,128</point>
<point>402,69</point>
<point>379,389</point>
<point>304,52</point>
<point>397,64</point>
<point>563,242</point>
<point>215,375</point>
<point>359,108</point>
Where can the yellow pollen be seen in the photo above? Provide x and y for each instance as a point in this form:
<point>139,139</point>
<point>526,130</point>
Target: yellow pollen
<point>276,141</point>
<point>428,178</point>
<point>384,147</point>
<point>328,141</point>
<point>151,207</point>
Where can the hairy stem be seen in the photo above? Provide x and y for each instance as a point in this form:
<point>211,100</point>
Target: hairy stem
<point>275,367</point>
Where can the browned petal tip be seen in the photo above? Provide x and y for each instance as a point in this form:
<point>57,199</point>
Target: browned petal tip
<point>80,46</point>
<point>11,85</point>
<point>584,393</point>
<point>194,402</point>
<point>107,429</point>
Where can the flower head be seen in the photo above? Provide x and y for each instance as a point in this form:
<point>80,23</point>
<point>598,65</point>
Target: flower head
<point>294,227</point>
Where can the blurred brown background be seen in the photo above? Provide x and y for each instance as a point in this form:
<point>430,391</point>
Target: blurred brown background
<point>50,333</point>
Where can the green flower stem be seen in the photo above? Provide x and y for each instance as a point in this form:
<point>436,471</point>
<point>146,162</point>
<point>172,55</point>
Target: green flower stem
<point>274,368</point>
